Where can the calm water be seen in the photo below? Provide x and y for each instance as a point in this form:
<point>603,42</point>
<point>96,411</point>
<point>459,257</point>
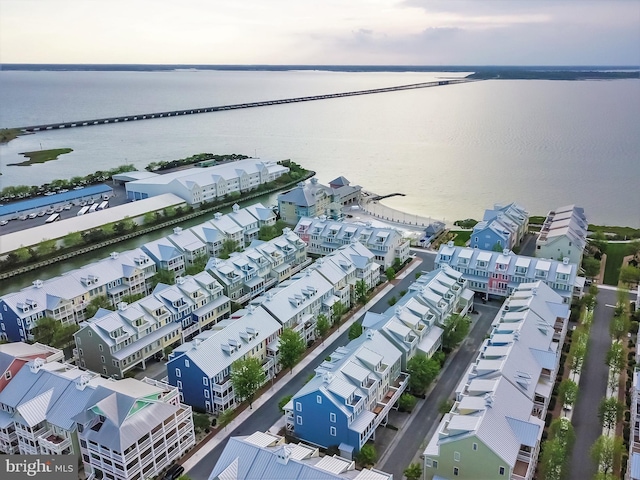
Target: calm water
<point>452,150</point>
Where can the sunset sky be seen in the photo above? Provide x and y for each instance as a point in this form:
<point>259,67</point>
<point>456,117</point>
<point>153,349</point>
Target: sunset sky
<point>322,32</point>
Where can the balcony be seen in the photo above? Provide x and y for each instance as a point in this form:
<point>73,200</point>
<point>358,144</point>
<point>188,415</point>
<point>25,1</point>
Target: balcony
<point>222,385</point>
<point>53,442</point>
<point>26,432</point>
<point>8,437</point>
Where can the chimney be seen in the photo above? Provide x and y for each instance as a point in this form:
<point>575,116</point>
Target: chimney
<point>506,251</point>
<point>180,280</point>
<point>114,255</point>
<point>217,215</point>
<point>177,230</point>
<point>37,283</point>
<point>196,342</point>
<point>565,261</point>
<point>450,243</point>
<point>235,208</point>
<point>122,306</point>
<point>36,365</point>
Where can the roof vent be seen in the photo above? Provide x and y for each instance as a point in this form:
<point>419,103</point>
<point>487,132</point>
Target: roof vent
<point>122,306</point>
<point>177,230</point>
<point>327,377</point>
<point>180,280</point>
<point>236,208</point>
<point>36,365</point>
<point>370,333</point>
<point>217,215</point>
<point>113,255</point>
<point>37,283</point>
<point>283,454</point>
<point>450,243</point>
<point>565,261</point>
<point>196,342</point>
<point>82,381</point>
<point>506,251</point>
<point>488,400</point>
<point>534,291</point>
<point>250,309</point>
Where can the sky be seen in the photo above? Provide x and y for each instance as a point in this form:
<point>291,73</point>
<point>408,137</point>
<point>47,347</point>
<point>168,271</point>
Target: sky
<point>321,32</point>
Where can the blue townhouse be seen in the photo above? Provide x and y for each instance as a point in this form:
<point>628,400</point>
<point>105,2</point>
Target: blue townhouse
<point>350,395</point>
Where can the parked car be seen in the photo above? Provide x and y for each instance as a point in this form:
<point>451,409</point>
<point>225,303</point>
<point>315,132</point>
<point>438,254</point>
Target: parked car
<point>33,215</point>
<point>174,472</point>
<point>67,206</point>
<point>3,222</point>
<point>41,213</point>
<point>23,217</point>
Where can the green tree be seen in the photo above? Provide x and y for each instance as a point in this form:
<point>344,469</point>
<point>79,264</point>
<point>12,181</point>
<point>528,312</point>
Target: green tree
<point>162,276</point>
<point>390,273</point>
<point>322,325</point>
<point>96,304</point>
<point>553,460</point>
<point>247,376</point>
<point>422,371</point>
<point>392,301</point>
<point>72,239</point>
<point>367,455</point>
<point>413,471</point>
<point>355,331</point>
<point>197,265</point>
<point>619,326</point>
<point>52,332</point>
<point>610,412</point>
<point>568,392</point>
<point>456,328</point>
<point>629,275</point>
<point>599,241</point>
<point>200,422</point>
<point>338,309</point>
<point>591,266</point>
<point>497,247</point>
<point>633,248</point>
<point>225,417</point>
<point>407,402</point>
<point>291,348</point>
<point>361,292</point>
<point>397,264</point>
<point>283,402</point>
<point>46,247</point>
<point>149,218</point>
<point>445,406</point>
<point>577,355</point>
<point>615,358</point>
<point>418,275</point>
<point>606,452</point>
<point>228,247</point>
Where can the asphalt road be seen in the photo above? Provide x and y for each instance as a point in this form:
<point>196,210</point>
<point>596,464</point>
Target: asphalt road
<point>593,387</point>
<point>426,418</point>
<point>268,414</point>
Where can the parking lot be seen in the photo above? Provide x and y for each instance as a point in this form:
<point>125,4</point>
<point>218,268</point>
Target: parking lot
<point>69,210</point>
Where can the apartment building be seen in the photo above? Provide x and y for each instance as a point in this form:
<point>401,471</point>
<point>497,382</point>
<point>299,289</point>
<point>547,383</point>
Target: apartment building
<point>297,303</point>
<point>197,185</point>
<point>201,368</point>
<point>350,395</point>
<point>188,244</point>
<point>65,298</point>
<point>113,343</point>
<point>500,273</point>
<point>166,255</point>
<point>513,215</point>
<point>308,199</point>
<point>247,222</point>
<point>264,455</point>
<point>563,234</point>
<point>132,430</point>
<point>323,236</point>
<point>506,389</point>
<point>414,324</point>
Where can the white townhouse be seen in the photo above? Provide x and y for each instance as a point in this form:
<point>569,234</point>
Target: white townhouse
<point>113,343</point>
<point>205,184</point>
<point>210,236</point>
<point>231,230</point>
<point>499,273</point>
<point>65,298</point>
<point>245,220</point>
<point>563,234</point>
<point>351,395</point>
<point>507,390</point>
<point>201,368</point>
<point>188,244</point>
<point>414,323</point>
<point>297,303</point>
<point>341,274</point>
<point>323,236</point>
<point>265,216</point>
<point>264,455</point>
<point>362,260</point>
<point>133,429</point>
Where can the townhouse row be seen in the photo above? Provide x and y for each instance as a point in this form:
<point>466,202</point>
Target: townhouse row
<point>563,234</point>
<point>354,390</point>
<point>494,429</point>
<point>125,274</point>
<point>323,235</point>
<point>122,429</point>
<point>502,227</point>
<point>201,368</point>
<point>500,273</point>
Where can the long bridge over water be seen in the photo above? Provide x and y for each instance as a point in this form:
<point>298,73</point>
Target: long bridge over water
<point>193,111</point>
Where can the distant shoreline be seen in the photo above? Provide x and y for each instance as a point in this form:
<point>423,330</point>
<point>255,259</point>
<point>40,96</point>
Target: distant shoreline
<point>559,72</point>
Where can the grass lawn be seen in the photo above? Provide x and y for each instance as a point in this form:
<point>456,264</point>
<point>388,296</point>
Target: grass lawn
<point>41,156</point>
<point>462,237</point>
<point>615,254</point>
<point>8,134</point>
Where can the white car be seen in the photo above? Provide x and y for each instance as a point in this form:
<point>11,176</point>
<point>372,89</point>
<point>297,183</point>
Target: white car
<point>67,206</point>
<point>3,222</point>
<point>33,215</point>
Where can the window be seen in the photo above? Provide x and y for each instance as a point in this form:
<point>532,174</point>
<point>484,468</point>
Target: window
<point>299,419</point>
<point>332,430</point>
<point>456,471</point>
<point>102,358</point>
<point>7,375</point>
<point>298,407</point>
<point>319,399</point>
<point>179,384</point>
<point>186,363</point>
<point>435,464</point>
<point>178,372</point>
<point>501,470</point>
<point>206,394</point>
<point>475,446</point>
<point>205,381</point>
<point>332,417</point>
<point>428,462</point>
<point>456,456</point>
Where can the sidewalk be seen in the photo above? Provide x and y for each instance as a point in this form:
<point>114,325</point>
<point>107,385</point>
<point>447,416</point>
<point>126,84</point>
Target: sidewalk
<point>213,442</point>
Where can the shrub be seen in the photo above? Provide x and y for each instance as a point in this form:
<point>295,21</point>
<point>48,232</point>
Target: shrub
<point>407,402</point>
